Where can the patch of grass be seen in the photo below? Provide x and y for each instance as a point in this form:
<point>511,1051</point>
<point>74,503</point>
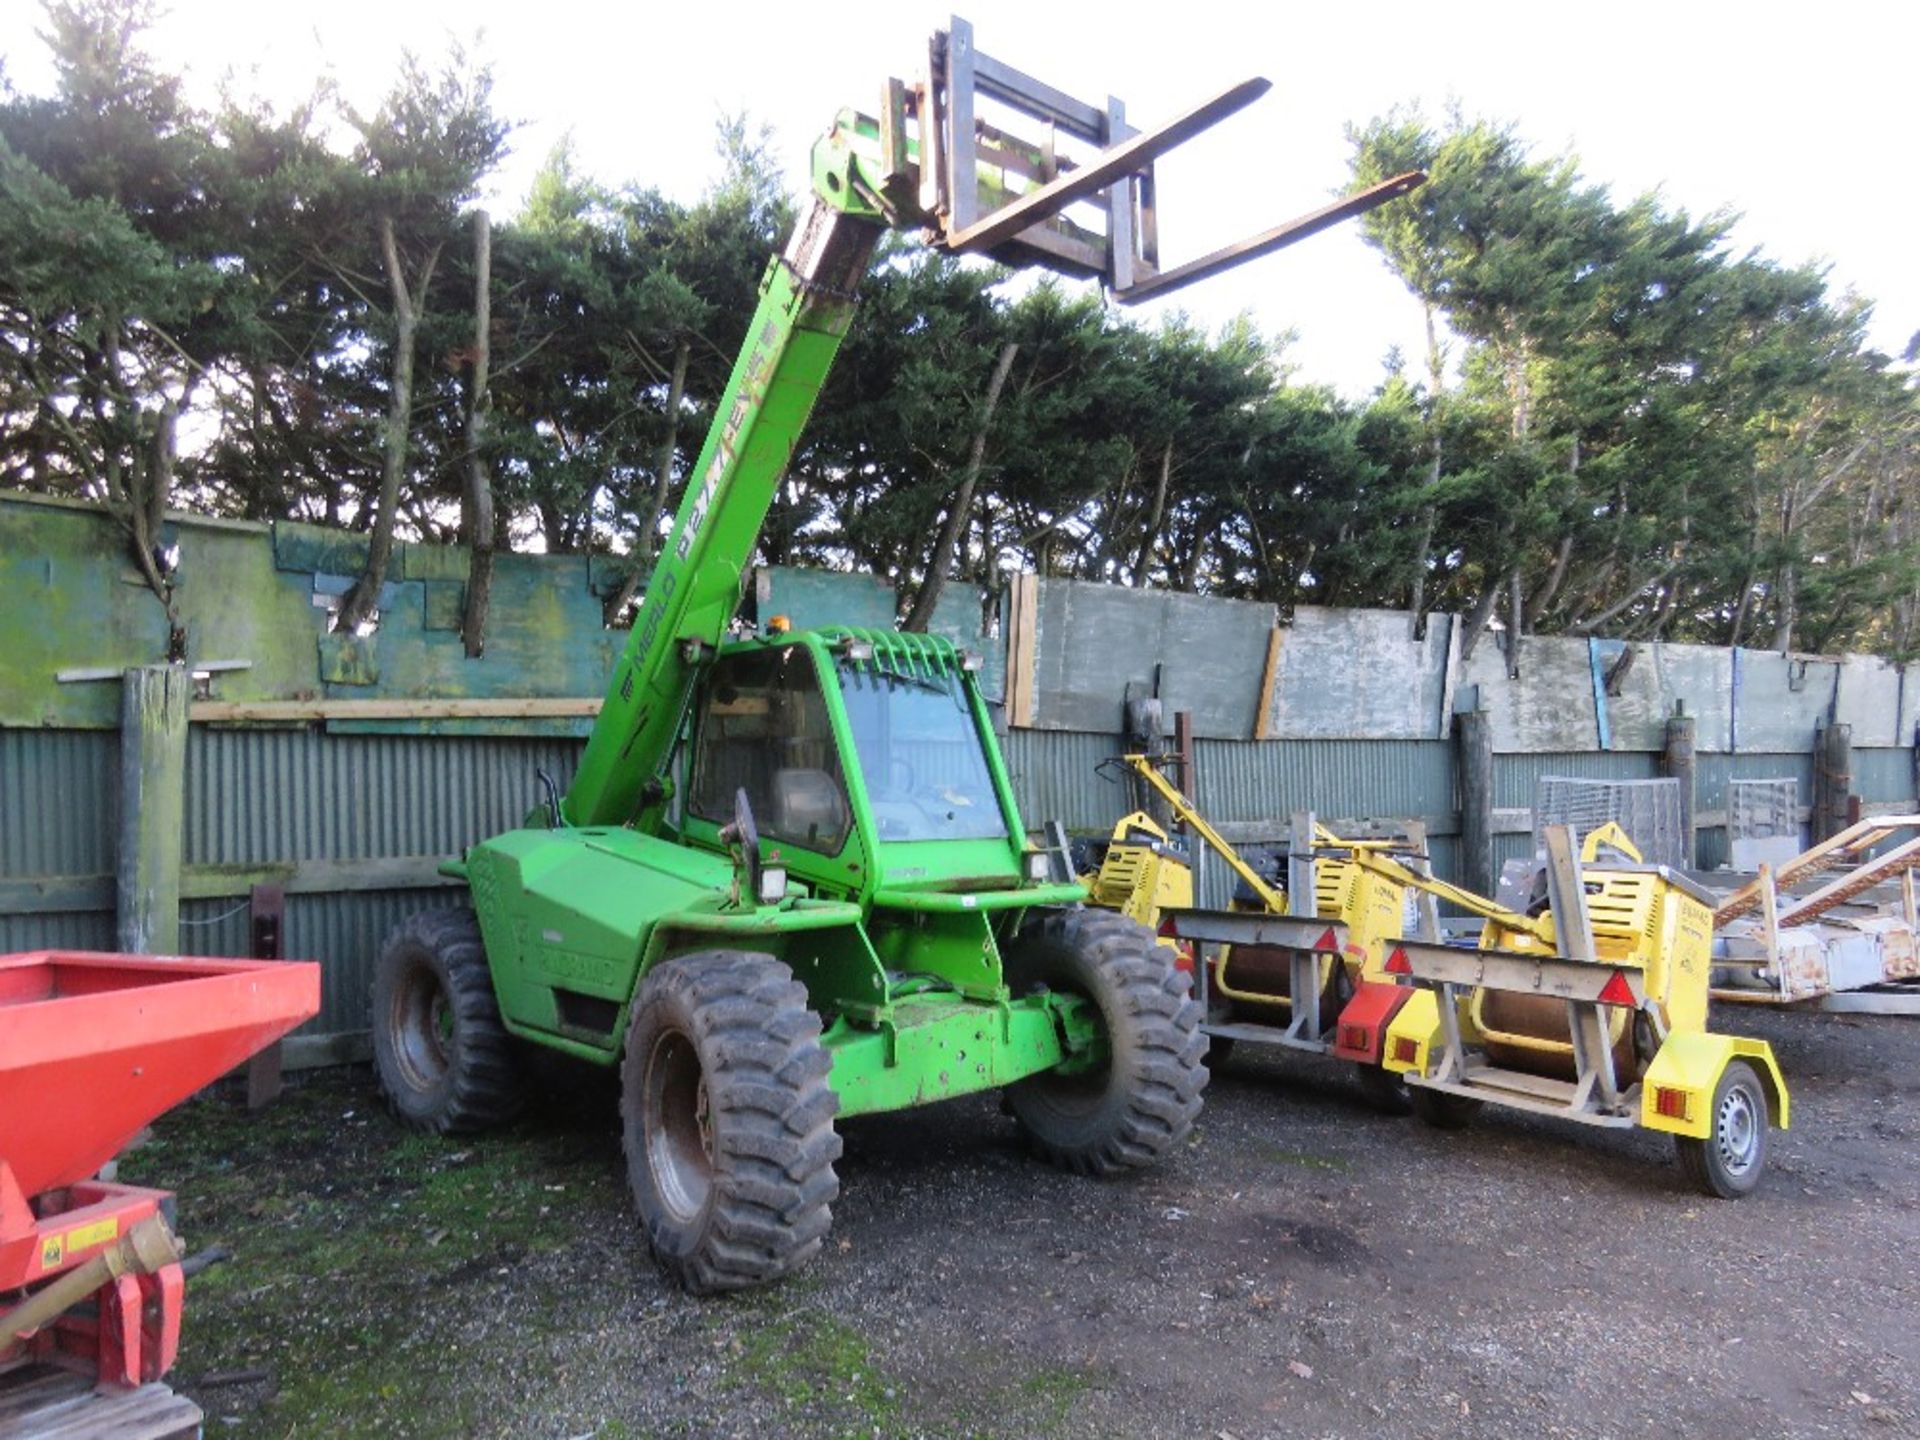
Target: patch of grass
<point>1302,1158</point>
<point>815,1360</point>
<point>1053,1392</point>
<point>357,1248</point>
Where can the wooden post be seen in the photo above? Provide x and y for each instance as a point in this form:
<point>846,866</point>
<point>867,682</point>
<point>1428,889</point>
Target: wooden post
<point>153,772</point>
<point>1914,760</point>
<point>1473,737</point>
<point>1678,764</point>
<point>1183,747</point>
<point>1269,674</point>
<point>1023,606</point>
<point>1832,779</point>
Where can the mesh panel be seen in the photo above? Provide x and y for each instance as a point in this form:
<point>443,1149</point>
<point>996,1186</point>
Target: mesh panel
<point>1648,810</point>
<point>1763,809</point>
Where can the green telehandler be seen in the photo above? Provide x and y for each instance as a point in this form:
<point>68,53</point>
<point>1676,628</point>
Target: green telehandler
<point>788,882</point>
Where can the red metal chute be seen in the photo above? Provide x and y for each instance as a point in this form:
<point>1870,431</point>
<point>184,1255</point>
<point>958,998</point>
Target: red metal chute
<point>92,1047</point>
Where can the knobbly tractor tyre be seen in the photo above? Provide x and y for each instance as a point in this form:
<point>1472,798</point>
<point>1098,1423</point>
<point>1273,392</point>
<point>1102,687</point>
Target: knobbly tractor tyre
<point>1385,1090</point>
<point>727,1120</point>
<point>1442,1110</point>
<point>1137,1104</point>
<point>1729,1162</point>
<point>442,1056</point>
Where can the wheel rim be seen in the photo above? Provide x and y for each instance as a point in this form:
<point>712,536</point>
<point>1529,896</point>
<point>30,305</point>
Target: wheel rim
<point>423,1027</point>
<point>1082,1090</point>
<point>679,1126</point>
<point>1736,1131</point>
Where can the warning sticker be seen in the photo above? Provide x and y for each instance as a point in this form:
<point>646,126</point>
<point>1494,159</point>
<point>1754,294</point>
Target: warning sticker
<point>55,1249</point>
<point>99,1232</point>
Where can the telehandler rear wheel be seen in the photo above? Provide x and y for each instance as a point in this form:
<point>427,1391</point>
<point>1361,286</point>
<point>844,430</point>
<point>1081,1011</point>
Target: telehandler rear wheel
<point>727,1119</point>
<point>1139,1103</point>
<point>442,1056</point>
<point>1727,1164</point>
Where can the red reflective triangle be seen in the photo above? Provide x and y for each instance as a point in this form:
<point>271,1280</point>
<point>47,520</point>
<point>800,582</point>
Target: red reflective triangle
<point>1398,964</point>
<point>1616,991</point>
<point>1328,941</point>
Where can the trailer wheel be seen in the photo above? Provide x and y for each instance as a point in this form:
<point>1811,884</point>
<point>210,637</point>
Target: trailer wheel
<point>442,1056</point>
<point>1441,1110</point>
<point>727,1120</point>
<point>1385,1090</point>
<point>1140,1102</point>
<point>1728,1163</point>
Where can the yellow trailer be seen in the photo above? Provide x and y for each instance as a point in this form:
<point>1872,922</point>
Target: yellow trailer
<point>1594,1009</point>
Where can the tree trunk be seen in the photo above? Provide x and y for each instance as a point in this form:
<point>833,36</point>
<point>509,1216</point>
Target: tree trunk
<point>921,615</point>
<point>1106,555</point>
<point>1436,377</point>
<point>479,496</point>
<point>1150,536</point>
<point>139,482</point>
<point>364,598</point>
<point>1537,609</point>
<point>1782,591</point>
<point>1785,600</point>
<point>1516,622</point>
<point>1478,617</point>
<point>646,540</point>
<point>647,544</point>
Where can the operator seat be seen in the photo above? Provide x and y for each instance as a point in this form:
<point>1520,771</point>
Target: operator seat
<point>808,805</point>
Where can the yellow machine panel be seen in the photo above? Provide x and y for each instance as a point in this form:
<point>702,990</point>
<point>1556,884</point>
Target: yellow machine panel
<point>1142,874</point>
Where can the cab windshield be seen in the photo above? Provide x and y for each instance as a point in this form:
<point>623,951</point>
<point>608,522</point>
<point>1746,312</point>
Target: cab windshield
<point>920,754</point>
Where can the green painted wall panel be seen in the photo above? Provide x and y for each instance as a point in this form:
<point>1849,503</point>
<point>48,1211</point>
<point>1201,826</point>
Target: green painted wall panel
<point>69,599</point>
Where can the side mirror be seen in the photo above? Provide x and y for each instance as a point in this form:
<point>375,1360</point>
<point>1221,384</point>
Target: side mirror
<point>764,884</point>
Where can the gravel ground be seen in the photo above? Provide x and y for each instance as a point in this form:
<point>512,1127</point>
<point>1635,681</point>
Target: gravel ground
<point>1304,1268</point>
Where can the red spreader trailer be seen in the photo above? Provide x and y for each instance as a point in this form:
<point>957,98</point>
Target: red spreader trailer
<point>92,1048</point>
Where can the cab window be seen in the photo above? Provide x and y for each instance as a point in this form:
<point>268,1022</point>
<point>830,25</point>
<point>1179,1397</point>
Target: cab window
<point>764,729</point>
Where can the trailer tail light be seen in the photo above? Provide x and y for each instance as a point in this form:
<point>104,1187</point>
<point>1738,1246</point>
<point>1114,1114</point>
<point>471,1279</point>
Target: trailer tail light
<point>1405,1051</point>
<point>1398,964</point>
<point>1616,991</point>
<point>1354,1037</point>
<point>1670,1103</point>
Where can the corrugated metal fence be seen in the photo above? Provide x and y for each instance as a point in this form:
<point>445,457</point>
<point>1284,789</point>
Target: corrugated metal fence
<point>354,823</point>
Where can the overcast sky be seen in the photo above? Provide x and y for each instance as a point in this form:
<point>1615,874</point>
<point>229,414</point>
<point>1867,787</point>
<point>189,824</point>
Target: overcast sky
<point>1796,117</point>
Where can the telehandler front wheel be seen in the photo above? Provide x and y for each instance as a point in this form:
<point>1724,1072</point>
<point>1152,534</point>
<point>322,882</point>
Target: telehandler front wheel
<point>1727,1164</point>
<point>442,1056</point>
<point>1139,1102</point>
<point>727,1120</point>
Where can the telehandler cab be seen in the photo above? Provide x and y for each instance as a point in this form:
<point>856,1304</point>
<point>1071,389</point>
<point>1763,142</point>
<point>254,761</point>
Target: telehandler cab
<point>789,881</point>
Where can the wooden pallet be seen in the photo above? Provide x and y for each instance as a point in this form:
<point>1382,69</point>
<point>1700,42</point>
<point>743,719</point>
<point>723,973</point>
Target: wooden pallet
<point>44,1402</point>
